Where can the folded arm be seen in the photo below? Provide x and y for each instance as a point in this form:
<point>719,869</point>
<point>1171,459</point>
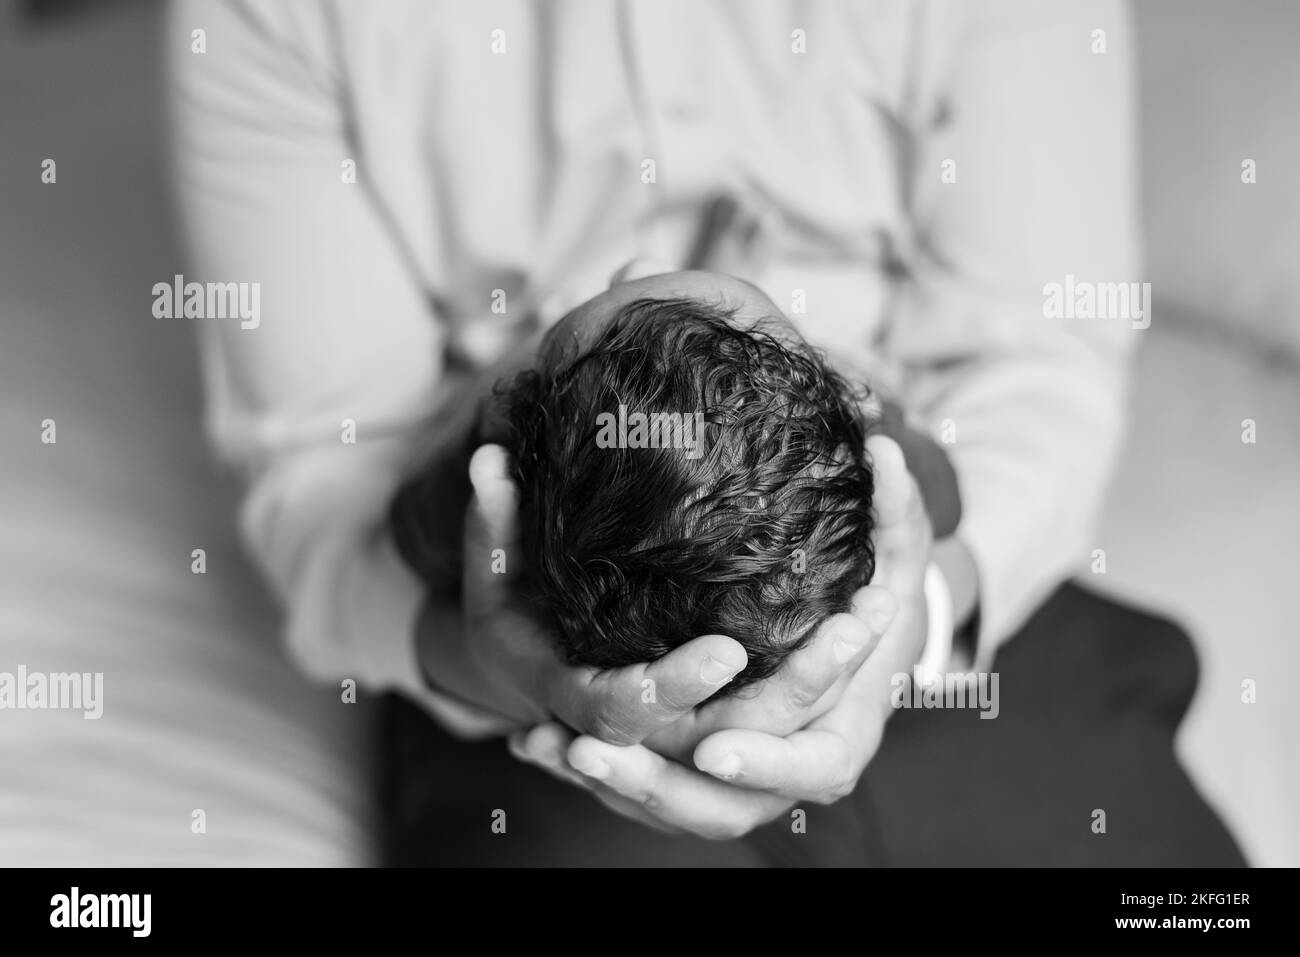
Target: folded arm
<point>1031,408</point>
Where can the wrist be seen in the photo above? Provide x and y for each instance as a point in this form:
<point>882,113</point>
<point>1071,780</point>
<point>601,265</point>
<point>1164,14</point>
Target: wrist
<point>445,665</point>
<point>454,692</point>
<point>957,565</point>
<point>952,601</point>
<point>939,625</point>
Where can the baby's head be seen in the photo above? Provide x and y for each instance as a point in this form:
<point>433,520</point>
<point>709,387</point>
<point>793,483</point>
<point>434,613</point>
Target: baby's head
<point>687,465</point>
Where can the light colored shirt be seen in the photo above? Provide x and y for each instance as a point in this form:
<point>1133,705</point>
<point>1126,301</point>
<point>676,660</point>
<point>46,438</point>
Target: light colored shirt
<point>921,170</point>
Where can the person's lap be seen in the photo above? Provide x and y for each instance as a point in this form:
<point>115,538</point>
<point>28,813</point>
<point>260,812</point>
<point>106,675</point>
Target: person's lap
<point>1091,694</point>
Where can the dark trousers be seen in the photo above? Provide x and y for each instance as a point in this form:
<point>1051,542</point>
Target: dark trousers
<point>1090,695</point>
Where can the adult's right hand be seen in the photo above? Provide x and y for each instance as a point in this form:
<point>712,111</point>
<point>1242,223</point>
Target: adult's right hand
<point>759,754</point>
<point>494,654</point>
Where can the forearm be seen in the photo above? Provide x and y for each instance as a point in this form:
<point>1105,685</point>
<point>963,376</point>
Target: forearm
<point>957,565</point>
<point>444,656</point>
<point>1029,405</point>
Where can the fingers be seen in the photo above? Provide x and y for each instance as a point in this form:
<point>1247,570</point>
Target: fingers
<point>676,796</point>
<point>822,762</point>
<point>621,805</point>
<point>808,682</point>
<point>902,526</point>
<point>893,484</point>
<point>489,473</point>
<point>546,746</point>
<point>838,643</point>
<point>817,764</point>
<point>625,705</point>
<point>493,555</point>
<point>876,606</point>
<point>621,705</point>
<point>790,698</point>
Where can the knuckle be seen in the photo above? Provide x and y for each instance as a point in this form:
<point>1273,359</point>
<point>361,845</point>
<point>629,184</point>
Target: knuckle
<point>667,700</point>
<point>751,691</point>
<point>609,725</point>
<point>653,800</point>
<point>602,712</point>
<point>802,692</point>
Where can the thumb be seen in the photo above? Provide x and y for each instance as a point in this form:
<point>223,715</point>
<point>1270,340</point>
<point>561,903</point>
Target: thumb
<point>493,553</point>
<point>902,528</point>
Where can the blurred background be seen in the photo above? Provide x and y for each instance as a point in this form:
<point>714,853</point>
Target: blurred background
<point>201,709</point>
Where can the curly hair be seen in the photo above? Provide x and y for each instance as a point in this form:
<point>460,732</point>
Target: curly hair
<point>759,532</point>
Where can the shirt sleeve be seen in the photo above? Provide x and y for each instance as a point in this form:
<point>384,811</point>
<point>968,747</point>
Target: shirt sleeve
<point>1039,129</point>
<point>313,403</point>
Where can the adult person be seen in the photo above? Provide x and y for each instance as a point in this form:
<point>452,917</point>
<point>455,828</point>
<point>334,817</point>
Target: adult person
<point>411,183</point>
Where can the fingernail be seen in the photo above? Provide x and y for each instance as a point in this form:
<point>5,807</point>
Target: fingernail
<point>542,749</point>
<point>551,757</point>
<point>715,672</point>
<point>592,768</point>
<point>844,650</point>
<point>728,767</point>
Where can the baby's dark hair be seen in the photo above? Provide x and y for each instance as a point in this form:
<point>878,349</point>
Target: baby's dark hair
<point>759,532</point>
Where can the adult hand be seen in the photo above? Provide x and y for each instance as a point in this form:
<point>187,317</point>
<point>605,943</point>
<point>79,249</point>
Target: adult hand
<point>744,774</point>
<point>495,655</point>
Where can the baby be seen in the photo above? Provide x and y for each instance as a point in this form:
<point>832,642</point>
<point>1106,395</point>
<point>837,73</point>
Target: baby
<point>732,498</point>
<point>687,465</point>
